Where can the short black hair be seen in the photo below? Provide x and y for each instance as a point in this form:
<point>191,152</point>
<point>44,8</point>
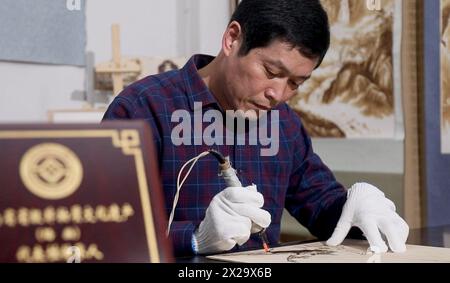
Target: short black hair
<point>302,23</point>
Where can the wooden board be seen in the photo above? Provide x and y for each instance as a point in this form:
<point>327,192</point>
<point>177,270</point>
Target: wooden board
<point>90,191</point>
<point>352,251</point>
<point>79,116</point>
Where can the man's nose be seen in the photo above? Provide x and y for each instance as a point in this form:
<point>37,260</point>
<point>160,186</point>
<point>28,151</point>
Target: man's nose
<point>277,93</point>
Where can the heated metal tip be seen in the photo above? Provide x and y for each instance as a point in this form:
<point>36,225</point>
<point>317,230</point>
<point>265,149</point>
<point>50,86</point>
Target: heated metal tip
<point>263,236</point>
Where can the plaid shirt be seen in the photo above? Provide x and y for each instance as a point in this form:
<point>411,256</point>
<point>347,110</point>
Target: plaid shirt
<point>295,178</point>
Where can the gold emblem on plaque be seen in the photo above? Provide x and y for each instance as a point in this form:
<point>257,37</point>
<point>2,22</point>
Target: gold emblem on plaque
<point>51,171</point>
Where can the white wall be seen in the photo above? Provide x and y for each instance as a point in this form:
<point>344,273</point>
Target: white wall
<point>362,155</point>
<point>148,27</point>
<point>27,91</point>
<point>214,20</point>
<point>201,24</point>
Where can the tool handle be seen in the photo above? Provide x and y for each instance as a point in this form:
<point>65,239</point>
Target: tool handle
<point>230,177</point>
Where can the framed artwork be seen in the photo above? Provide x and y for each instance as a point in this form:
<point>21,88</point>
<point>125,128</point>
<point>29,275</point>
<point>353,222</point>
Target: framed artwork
<point>445,76</point>
<point>45,31</point>
<point>353,94</point>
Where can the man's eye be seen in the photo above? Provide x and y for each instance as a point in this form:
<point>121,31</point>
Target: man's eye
<point>294,85</point>
<point>270,74</point>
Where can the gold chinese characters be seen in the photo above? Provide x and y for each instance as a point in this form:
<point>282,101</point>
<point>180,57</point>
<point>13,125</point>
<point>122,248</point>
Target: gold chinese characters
<point>75,214</point>
<point>56,253</point>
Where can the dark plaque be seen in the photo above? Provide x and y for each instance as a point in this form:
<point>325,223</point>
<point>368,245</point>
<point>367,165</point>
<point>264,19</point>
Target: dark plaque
<point>81,193</point>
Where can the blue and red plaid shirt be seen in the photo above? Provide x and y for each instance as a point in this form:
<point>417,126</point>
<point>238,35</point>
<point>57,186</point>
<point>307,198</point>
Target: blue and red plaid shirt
<point>295,178</point>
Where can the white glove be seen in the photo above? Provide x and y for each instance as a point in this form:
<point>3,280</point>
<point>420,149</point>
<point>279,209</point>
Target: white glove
<point>229,219</point>
<point>368,209</point>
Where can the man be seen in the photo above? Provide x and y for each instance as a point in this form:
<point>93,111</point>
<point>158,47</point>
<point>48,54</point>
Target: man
<point>268,50</point>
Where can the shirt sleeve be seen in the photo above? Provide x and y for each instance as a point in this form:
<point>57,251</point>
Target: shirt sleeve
<point>181,233</point>
<point>123,108</point>
<point>131,107</point>
<point>314,197</point>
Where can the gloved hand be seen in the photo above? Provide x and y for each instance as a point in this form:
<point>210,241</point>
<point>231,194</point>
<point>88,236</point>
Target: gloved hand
<point>231,217</point>
<point>368,209</point>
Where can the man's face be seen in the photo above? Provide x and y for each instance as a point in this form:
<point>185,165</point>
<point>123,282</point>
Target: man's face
<point>265,77</point>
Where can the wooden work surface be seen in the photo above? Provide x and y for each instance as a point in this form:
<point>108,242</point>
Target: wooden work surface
<point>430,236</point>
<point>351,251</point>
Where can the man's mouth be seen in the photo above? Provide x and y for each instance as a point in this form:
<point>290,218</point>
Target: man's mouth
<point>262,107</point>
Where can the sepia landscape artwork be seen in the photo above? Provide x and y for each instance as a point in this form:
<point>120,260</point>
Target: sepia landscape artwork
<point>351,95</point>
<point>445,76</point>
<point>351,251</point>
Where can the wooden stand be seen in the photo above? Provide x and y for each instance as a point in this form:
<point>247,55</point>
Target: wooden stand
<point>118,66</point>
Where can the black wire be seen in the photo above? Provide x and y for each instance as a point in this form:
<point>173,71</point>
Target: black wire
<point>218,155</point>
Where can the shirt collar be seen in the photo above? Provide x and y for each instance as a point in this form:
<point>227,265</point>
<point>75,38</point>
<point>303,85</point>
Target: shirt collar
<point>196,90</point>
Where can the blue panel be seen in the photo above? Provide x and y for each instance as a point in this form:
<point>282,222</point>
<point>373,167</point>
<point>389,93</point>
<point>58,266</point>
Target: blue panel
<point>437,164</point>
<point>43,31</point>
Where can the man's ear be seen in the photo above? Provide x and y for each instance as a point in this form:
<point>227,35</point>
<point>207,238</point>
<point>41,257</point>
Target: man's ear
<point>231,41</point>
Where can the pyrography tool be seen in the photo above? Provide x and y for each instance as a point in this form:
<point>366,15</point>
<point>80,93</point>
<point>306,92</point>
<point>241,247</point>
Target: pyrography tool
<point>227,172</point>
